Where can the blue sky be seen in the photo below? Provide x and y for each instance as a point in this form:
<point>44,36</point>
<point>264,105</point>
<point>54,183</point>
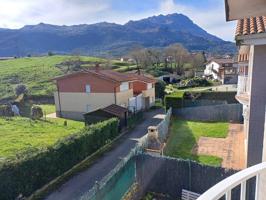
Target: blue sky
<point>209,14</point>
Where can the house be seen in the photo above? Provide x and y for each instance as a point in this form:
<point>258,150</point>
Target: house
<point>89,90</point>
<point>224,70</point>
<point>251,39</point>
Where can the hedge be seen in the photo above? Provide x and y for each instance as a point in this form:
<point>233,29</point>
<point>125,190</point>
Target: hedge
<point>179,99</point>
<point>174,100</point>
<point>34,170</point>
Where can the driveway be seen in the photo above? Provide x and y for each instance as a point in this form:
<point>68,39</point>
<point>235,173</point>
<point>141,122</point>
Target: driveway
<point>84,181</point>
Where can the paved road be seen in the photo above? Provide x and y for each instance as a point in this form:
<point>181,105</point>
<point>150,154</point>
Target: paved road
<point>81,183</point>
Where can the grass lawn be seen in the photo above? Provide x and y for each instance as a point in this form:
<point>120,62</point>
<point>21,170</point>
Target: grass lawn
<point>48,108</point>
<point>184,135</point>
<point>20,134</point>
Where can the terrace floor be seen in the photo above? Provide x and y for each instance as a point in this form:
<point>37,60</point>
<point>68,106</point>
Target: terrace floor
<point>231,148</point>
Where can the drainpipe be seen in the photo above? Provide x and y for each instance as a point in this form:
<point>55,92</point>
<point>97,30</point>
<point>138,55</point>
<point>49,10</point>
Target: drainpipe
<point>59,100</point>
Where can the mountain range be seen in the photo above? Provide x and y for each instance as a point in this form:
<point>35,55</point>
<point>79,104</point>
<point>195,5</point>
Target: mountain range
<point>110,39</point>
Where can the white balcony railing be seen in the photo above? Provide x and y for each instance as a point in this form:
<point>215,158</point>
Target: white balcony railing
<point>242,85</point>
<point>225,187</point>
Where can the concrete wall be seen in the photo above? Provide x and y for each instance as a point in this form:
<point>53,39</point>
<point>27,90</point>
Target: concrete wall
<point>123,97</point>
<point>169,176</point>
<point>83,102</point>
<point>257,71</point>
<point>150,93</point>
<point>226,112</point>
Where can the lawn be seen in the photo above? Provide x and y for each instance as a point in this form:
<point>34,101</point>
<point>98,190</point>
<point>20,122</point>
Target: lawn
<point>47,108</point>
<point>184,135</point>
<point>19,134</point>
<point>36,73</point>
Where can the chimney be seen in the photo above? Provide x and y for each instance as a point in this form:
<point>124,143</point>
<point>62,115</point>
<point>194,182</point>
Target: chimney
<point>97,67</point>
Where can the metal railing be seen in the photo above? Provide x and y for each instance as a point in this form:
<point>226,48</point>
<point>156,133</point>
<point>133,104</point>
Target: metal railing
<point>242,85</point>
<point>225,187</point>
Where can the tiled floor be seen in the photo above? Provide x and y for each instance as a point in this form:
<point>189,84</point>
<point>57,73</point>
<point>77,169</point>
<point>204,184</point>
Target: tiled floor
<point>231,149</point>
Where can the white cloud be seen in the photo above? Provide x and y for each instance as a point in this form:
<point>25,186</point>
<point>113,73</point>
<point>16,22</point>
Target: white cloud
<point>17,13</point>
<point>212,19</point>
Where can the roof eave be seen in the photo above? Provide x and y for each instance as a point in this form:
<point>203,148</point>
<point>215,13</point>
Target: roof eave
<point>253,39</point>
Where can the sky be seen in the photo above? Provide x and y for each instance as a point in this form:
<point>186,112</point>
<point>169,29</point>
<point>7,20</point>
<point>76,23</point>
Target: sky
<point>209,14</point>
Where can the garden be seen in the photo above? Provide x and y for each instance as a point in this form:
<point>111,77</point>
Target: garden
<point>185,134</point>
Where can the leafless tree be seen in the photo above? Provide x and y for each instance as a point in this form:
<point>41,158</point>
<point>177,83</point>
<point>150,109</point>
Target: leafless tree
<point>177,55</point>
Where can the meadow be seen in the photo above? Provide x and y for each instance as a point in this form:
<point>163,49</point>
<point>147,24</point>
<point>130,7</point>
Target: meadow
<point>20,135</point>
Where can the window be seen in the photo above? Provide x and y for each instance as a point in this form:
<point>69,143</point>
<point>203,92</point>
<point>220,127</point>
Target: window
<point>149,86</point>
<point>88,89</point>
<point>124,86</point>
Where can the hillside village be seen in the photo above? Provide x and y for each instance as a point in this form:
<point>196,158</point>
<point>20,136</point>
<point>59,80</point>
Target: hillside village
<point>166,122</point>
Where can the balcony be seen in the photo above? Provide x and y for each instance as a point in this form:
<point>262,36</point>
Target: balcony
<point>225,187</point>
<point>243,89</point>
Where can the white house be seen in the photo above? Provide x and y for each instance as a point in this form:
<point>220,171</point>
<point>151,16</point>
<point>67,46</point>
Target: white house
<point>224,70</point>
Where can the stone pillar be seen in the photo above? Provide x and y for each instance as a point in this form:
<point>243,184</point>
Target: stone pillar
<point>257,104</point>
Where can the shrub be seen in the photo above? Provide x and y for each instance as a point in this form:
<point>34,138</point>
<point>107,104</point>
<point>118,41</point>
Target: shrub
<point>194,82</point>
<point>21,89</point>
<point>35,169</point>
<point>6,111</point>
<point>36,112</point>
<point>183,99</point>
<point>174,100</point>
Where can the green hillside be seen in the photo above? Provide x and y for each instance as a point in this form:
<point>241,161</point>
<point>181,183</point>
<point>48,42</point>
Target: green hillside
<point>36,73</point>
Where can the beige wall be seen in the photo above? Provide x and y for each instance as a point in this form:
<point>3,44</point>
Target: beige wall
<point>150,93</point>
<point>78,102</point>
<point>122,97</point>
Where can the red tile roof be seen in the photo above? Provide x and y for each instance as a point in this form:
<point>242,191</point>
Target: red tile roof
<point>252,25</point>
<point>112,76</point>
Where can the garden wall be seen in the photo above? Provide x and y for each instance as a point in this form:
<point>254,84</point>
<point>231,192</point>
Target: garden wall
<point>184,99</point>
<point>35,169</point>
<point>224,112</point>
<point>169,176</point>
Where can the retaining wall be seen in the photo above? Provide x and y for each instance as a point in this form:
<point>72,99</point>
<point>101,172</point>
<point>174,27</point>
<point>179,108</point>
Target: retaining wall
<point>225,112</point>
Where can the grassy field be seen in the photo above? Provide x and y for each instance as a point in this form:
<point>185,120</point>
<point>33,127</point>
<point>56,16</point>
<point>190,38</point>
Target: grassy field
<point>36,73</point>
<point>185,134</point>
<point>20,134</point>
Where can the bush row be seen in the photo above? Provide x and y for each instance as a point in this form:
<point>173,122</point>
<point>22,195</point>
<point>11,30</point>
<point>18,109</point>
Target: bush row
<point>181,99</point>
<point>174,100</point>
<point>33,171</point>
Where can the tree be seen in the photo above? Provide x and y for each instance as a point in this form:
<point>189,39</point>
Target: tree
<point>198,60</point>
<point>21,89</point>
<point>177,55</point>
<point>140,57</point>
<point>155,57</point>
